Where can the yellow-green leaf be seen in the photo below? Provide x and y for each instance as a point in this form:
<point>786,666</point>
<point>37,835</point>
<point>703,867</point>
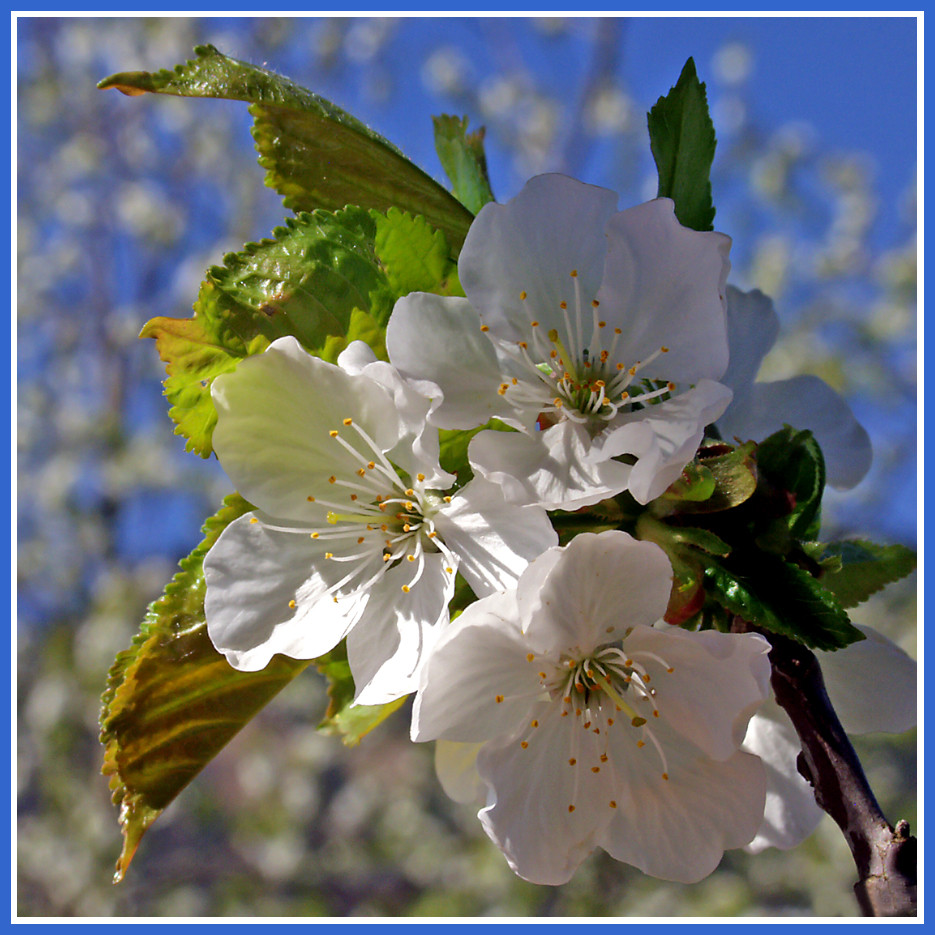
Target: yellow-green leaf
<point>315,154</point>
<point>172,701</point>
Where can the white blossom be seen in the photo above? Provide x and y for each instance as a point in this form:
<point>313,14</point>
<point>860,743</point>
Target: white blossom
<point>353,535</point>
<point>587,726</point>
<point>596,333</point>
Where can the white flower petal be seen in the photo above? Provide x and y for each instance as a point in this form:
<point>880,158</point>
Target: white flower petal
<point>252,574</point>
<point>752,329</point>
<point>494,540</point>
<point>540,815</point>
<point>436,339</point>
<point>479,658</point>
<point>530,245</point>
<point>805,402</point>
<point>386,654</point>
<point>275,415</point>
<point>791,813</point>
<point>554,469</point>
<point>665,437</point>
<point>664,285</point>
<point>604,584</point>
<point>679,829</point>
<point>872,685</point>
<point>718,681</point>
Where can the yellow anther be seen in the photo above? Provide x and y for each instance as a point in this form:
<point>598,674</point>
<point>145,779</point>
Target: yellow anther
<point>535,723</point>
<point>665,776</point>
<point>573,273</point>
<point>353,497</point>
<point>638,721</point>
<point>523,744</point>
<point>664,349</point>
<point>348,421</point>
<point>563,305</point>
<point>484,328</point>
<point>314,535</point>
<point>329,554</point>
<point>410,558</point>
<point>420,477</point>
<point>310,499</point>
<point>332,479</point>
<point>572,761</point>
<point>360,539</point>
<point>522,295</point>
<point>595,304</point>
<point>571,808</point>
<point>530,657</point>
<point>333,433</point>
<point>534,324</point>
<point>603,757</point>
<point>613,804</point>
<point>405,589</point>
<point>253,519</point>
<point>292,603</point>
<point>499,699</point>
<point>595,769</point>
<point>370,465</point>
<point>641,743</point>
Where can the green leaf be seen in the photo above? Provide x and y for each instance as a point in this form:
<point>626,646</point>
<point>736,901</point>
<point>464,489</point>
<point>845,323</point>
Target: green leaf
<point>415,256</point>
<point>793,463</point>
<point>315,154</point>
<point>863,568</point>
<point>318,278</point>
<point>696,485</point>
<point>172,701</point>
<point>462,157</point>
<point>681,136</point>
<point>343,718</point>
<point>689,549</point>
<point>781,598</point>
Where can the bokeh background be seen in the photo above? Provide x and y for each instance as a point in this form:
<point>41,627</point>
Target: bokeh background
<point>122,205</point>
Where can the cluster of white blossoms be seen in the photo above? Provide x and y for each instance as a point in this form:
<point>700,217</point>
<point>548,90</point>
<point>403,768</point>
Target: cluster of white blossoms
<point>606,341</point>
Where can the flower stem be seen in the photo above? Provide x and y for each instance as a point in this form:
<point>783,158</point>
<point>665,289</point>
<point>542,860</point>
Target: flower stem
<point>885,856</point>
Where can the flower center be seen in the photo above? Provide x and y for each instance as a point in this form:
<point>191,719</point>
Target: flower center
<point>378,517</point>
<point>566,374</point>
<point>602,690</point>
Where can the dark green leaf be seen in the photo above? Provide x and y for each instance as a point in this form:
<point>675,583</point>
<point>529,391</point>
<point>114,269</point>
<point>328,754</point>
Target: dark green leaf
<point>172,701</point>
<point>793,463</point>
<point>781,598</point>
<point>689,549</point>
<point>315,154</point>
<point>863,568</point>
<point>462,157</point>
<point>681,136</point>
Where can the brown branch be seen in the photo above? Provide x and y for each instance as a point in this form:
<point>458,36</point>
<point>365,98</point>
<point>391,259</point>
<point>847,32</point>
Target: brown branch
<point>885,856</point>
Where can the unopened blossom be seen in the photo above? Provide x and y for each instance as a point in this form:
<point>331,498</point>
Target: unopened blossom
<point>598,334</point>
<point>804,402</point>
<point>872,686</point>
<point>584,725</point>
<point>353,535</point>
